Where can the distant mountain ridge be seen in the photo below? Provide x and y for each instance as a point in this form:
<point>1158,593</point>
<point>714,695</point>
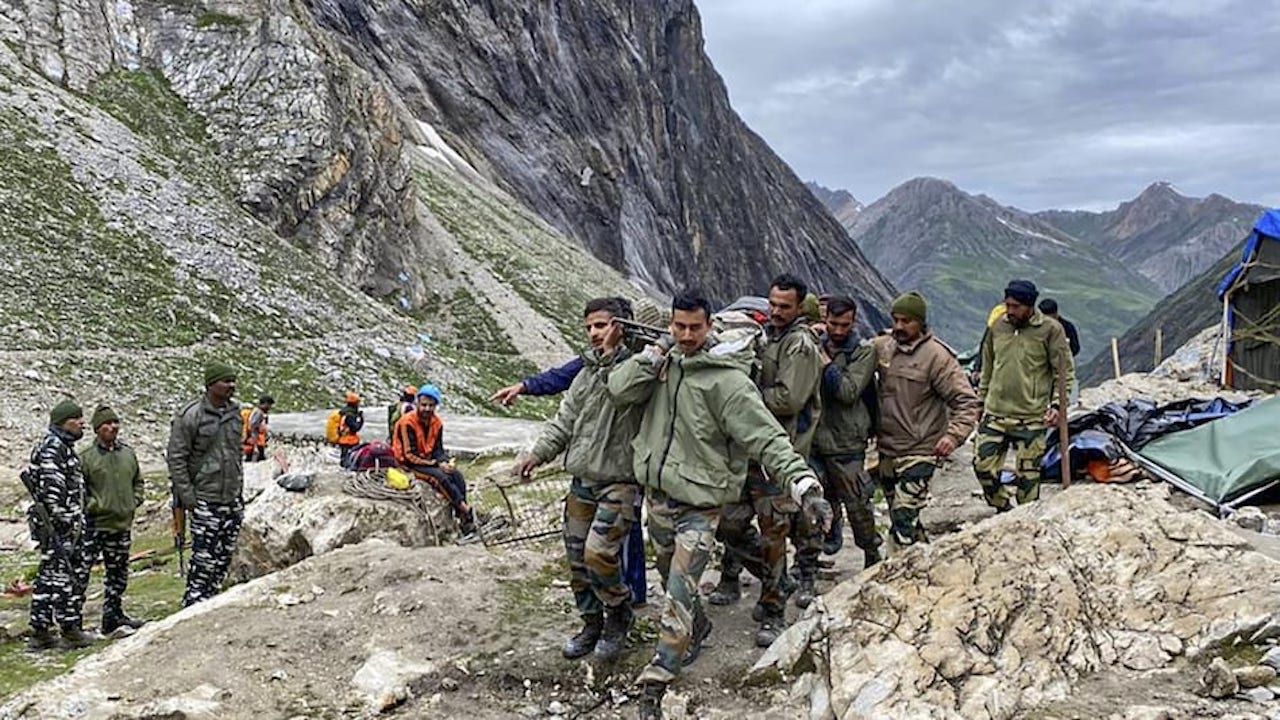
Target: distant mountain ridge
<point>1165,236</point>
<point>961,249</point>
<point>843,205</point>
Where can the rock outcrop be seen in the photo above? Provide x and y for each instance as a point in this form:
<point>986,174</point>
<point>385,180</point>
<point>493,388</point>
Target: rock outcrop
<point>1012,613</point>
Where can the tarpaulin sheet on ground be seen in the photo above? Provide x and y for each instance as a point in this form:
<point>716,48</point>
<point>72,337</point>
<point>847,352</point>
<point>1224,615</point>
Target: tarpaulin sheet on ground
<point>1225,461</point>
<point>1131,424</point>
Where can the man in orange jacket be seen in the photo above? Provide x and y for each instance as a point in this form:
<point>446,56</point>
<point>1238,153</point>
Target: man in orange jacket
<point>418,445</point>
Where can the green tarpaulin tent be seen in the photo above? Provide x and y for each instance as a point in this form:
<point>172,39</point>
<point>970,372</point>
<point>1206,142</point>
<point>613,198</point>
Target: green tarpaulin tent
<point>1226,461</point>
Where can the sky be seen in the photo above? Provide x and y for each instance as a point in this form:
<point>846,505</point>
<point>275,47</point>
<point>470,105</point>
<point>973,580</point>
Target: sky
<point>1038,103</point>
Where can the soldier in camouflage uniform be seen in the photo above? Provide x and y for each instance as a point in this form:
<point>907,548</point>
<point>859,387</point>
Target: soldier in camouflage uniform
<point>790,371</point>
<point>703,421</point>
<point>1021,355</point>
<point>600,508</point>
<point>114,483</point>
<point>58,599</point>
<point>927,409</point>
<point>206,471</point>
<point>840,446</point>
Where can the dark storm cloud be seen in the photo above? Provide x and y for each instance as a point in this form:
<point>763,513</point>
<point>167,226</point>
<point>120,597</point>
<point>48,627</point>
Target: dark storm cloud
<point>1039,104</point>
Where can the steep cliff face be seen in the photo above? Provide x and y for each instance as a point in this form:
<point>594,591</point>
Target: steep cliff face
<point>608,119</point>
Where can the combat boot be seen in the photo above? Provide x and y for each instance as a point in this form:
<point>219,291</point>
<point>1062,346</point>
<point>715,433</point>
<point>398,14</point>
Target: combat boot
<point>650,706</point>
<point>771,626</point>
<point>585,641</point>
<point>872,557</point>
<point>806,591</point>
<point>74,638</point>
<point>617,623</point>
<point>111,623</point>
<point>728,591</point>
<point>835,536</point>
<point>42,638</point>
<point>701,629</point>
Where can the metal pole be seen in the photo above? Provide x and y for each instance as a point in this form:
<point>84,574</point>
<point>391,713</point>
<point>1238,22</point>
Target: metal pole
<point>1064,435</point>
<point>1159,346</point>
<point>1115,357</point>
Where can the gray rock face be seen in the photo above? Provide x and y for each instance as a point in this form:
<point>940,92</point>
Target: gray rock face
<point>1014,611</point>
<point>1219,681</point>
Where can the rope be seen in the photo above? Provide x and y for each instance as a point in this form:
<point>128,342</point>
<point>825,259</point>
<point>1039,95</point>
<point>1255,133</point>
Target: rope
<point>372,485</point>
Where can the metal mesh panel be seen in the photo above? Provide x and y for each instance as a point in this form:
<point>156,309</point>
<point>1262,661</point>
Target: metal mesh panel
<point>520,514</point>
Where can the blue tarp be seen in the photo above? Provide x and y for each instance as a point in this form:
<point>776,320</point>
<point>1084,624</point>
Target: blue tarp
<point>1267,227</point>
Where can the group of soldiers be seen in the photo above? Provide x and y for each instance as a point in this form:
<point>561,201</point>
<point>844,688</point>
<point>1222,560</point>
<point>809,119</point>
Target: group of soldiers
<point>84,503</point>
<point>721,422</point>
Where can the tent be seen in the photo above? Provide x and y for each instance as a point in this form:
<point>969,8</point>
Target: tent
<point>1250,296</point>
<point>1224,462</point>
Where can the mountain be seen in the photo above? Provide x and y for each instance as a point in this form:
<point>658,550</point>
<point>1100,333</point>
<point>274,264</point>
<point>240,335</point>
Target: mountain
<point>1180,316</point>
<point>960,250</point>
<point>1165,236</point>
<point>844,206</point>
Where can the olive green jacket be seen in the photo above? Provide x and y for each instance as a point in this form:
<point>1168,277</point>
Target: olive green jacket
<point>845,425</point>
<point>790,374</point>
<point>114,484</point>
<point>1020,367</point>
<point>703,420</point>
<point>205,456</point>
<point>594,434</point>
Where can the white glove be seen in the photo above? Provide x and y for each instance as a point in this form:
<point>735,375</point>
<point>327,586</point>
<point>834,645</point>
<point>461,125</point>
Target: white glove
<point>802,486</point>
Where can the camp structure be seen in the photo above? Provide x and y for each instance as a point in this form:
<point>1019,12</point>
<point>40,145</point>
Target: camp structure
<point>1250,295</point>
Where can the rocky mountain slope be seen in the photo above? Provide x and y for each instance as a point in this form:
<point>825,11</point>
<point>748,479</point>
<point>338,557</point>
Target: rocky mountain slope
<point>960,250</point>
<point>1167,237</point>
<point>843,205</point>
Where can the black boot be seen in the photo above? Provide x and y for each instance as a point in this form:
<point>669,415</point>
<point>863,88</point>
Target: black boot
<point>42,638</point>
<point>701,629</point>
<point>771,626</point>
<point>728,591</point>
<point>617,623</point>
<point>651,701</point>
<point>872,557</point>
<point>585,641</point>
<point>835,536</point>
<point>74,638</point>
<point>806,591</point>
<point>115,621</point>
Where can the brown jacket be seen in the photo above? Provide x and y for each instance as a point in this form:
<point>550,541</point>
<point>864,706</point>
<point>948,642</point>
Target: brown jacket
<point>924,395</point>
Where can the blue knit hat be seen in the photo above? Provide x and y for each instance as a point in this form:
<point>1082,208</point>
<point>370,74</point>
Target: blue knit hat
<point>432,392</point>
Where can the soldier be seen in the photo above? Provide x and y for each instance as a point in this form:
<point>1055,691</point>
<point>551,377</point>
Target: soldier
<point>927,409</point>
<point>790,371</point>
<point>58,486</point>
<point>840,445</point>
<point>702,421</point>
<point>1021,356</point>
<point>114,484</point>
<point>206,472</point>
<point>600,507</point>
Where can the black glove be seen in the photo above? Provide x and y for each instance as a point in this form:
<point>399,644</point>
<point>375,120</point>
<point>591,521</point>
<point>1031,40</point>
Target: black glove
<point>816,509</point>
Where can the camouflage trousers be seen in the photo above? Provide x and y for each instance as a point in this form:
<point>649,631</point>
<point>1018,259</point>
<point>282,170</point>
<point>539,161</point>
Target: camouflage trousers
<point>58,599</point>
<point>763,553</point>
<point>214,531</point>
<point>995,436</point>
<point>684,537</point>
<point>597,521</point>
<point>906,488</point>
<point>848,486</point>
<point>113,547</point>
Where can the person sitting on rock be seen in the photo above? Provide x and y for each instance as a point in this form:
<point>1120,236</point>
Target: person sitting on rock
<point>600,508</point>
<point>418,445</point>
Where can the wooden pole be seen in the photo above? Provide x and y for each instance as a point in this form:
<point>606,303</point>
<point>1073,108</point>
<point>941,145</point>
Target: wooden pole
<point>1115,356</point>
<point>1064,435</point>
<point>1159,346</point>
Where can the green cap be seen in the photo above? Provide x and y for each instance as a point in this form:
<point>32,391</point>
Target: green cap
<point>912,305</point>
<point>102,416</point>
<point>216,371</point>
<point>64,411</point>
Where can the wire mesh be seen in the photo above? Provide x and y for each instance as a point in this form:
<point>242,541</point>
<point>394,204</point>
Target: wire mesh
<point>520,514</point>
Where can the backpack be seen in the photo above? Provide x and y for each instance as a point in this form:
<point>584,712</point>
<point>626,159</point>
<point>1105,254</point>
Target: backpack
<point>244,420</point>
<point>376,454</point>
<point>332,427</point>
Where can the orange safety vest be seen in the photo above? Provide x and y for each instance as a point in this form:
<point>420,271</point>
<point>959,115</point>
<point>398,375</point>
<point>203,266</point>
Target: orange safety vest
<point>252,442</point>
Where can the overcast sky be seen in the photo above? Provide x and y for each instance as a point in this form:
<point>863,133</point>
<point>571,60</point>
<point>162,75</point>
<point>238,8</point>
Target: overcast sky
<point>1038,103</point>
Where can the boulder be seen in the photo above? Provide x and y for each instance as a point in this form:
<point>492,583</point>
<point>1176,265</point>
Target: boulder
<point>1218,680</point>
<point>283,527</point>
<point>1255,676</point>
<point>1010,613</point>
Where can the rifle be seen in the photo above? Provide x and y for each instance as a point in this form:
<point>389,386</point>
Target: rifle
<point>638,331</point>
<point>46,534</point>
<point>180,535</point>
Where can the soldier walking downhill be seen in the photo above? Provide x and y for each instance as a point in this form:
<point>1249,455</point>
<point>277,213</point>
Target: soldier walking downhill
<point>206,471</point>
<point>114,483</point>
<point>57,481</point>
